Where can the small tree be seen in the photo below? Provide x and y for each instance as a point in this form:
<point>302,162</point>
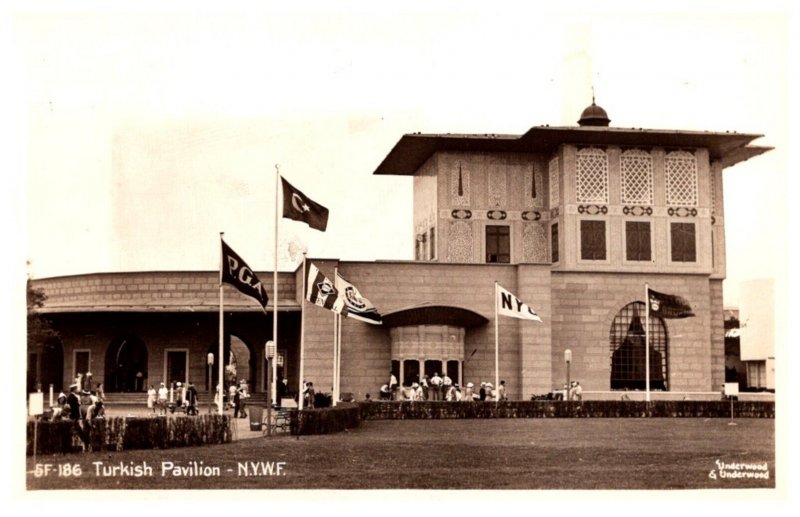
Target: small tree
<point>40,330</point>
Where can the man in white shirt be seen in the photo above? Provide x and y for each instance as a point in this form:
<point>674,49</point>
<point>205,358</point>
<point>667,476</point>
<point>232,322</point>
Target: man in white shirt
<point>393,385</point>
<point>436,386</point>
<point>163,393</point>
<point>447,384</point>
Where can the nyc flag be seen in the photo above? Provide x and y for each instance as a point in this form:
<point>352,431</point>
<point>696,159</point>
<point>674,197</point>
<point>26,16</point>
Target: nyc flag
<point>668,305</point>
<point>321,291</point>
<point>237,273</point>
<point>509,305</point>
<point>355,305</point>
<point>300,207</point>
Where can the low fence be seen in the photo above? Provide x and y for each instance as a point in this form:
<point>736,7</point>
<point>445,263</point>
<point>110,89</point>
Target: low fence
<point>127,433</point>
<point>346,415</point>
<point>564,409</point>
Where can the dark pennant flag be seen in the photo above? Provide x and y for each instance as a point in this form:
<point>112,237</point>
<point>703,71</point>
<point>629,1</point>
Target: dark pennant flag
<point>668,305</point>
<point>300,207</point>
<point>237,273</point>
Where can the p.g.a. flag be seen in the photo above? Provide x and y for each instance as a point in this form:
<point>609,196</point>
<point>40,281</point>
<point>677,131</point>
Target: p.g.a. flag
<point>237,273</point>
<point>300,207</point>
<point>321,291</point>
<point>510,305</point>
<point>668,305</point>
<point>355,305</point>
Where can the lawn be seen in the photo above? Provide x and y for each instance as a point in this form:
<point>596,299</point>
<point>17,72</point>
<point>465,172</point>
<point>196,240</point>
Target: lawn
<point>646,453</point>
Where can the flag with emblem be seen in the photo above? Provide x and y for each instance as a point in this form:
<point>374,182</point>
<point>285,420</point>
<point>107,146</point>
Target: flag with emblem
<point>355,305</point>
<point>668,305</point>
<point>322,292</point>
<point>300,207</point>
<point>237,273</point>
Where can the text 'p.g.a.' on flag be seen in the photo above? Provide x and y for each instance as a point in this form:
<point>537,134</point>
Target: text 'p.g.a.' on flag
<point>509,305</point>
<point>237,273</point>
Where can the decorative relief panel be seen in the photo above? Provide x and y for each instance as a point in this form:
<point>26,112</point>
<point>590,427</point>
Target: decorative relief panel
<point>534,243</point>
<point>459,186</point>
<point>459,244</point>
<point>497,188</point>
<point>592,176</point>
<point>682,211</point>
<point>533,187</point>
<point>555,192</point>
<point>713,183</point>
<point>637,177</point>
<point>681,178</point>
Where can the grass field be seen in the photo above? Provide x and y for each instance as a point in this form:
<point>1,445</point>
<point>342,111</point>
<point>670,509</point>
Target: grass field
<point>647,453</point>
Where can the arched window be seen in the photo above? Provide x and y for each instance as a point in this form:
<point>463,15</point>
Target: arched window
<point>627,350</point>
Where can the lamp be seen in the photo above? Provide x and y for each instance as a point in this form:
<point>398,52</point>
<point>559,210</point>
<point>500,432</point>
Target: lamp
<point>568,360</point>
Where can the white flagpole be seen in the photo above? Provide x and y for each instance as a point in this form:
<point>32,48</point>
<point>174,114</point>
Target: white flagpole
<point>336,323</point>
<point>221,354</point>
<point>339,357</point>
<point>496,341</point>
<point>302,333</point>
<point>647,341</point>
<point>273,385</point>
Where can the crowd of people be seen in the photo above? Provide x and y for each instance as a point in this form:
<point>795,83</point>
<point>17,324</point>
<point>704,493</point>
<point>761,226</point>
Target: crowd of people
<point>443,388</point>
<point>84,400</point>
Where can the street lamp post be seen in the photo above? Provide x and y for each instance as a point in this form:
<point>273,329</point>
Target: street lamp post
<point>568,360</point>
<point>269,353</point>
<point>210,361</point>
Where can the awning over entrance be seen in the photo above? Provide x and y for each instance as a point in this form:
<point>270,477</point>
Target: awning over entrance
<point>429,314</point>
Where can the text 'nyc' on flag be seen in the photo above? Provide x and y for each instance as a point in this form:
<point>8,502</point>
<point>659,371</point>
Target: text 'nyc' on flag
<point>510,305</point>
<point>300,207</point>
<point>321,291</point>
<point>355,305</point>
<point>668,305</point>
<point>237,273</point>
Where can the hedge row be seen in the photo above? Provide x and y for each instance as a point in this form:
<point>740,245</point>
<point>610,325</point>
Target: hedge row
<point>127,433</point>
<point>564,409</point>
<point>345,415</point>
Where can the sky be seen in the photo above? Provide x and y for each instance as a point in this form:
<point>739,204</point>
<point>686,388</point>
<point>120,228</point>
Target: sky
<point>148,130</point>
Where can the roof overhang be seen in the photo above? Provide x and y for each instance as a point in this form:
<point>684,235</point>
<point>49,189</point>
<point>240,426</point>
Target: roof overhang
<point>412,150</point>
<point>429,314</point>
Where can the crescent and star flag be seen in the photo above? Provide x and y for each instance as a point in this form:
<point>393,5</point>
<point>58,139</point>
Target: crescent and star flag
<point>355,305</point>
<point>237,273</point>
<point>321,291</point>
<point>510,305</point>
<point>668,305</point>
<point>300,207</point>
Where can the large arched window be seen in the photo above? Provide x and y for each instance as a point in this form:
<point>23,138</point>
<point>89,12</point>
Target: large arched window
<point>627,350</point>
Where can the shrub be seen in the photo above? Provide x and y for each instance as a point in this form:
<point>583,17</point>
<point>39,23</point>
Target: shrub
<point>127,433</point>
<point>345,415</point>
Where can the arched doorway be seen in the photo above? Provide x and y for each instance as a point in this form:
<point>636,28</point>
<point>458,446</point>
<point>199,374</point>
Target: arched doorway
<point>126,365</point>
<point>238,363</point>
<point>627,350</point>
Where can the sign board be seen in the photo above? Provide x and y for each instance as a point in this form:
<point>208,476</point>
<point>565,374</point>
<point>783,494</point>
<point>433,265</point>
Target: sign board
<point>731,388</point>
<point>36,403</point>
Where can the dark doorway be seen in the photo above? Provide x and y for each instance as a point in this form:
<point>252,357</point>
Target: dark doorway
<point>176,366</point>
<point>126,365</point>
<point>410,372</point>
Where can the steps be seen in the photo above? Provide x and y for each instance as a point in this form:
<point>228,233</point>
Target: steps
<point>121,399</point>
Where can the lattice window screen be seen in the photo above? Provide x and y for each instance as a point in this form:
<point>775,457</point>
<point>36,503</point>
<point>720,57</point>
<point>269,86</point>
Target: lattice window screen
<point>637,177</point>
<point>681,179</point>
<point>592,176</point>
<point>554,182</point>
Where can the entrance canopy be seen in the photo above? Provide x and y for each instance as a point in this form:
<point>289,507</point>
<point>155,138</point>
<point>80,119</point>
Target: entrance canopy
<point>429,314</point>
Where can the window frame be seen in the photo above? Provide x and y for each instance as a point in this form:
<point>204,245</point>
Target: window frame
<point>607,254</point>
<point>671,230</point>
<point>625,258</point>
<point>486,243</point>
